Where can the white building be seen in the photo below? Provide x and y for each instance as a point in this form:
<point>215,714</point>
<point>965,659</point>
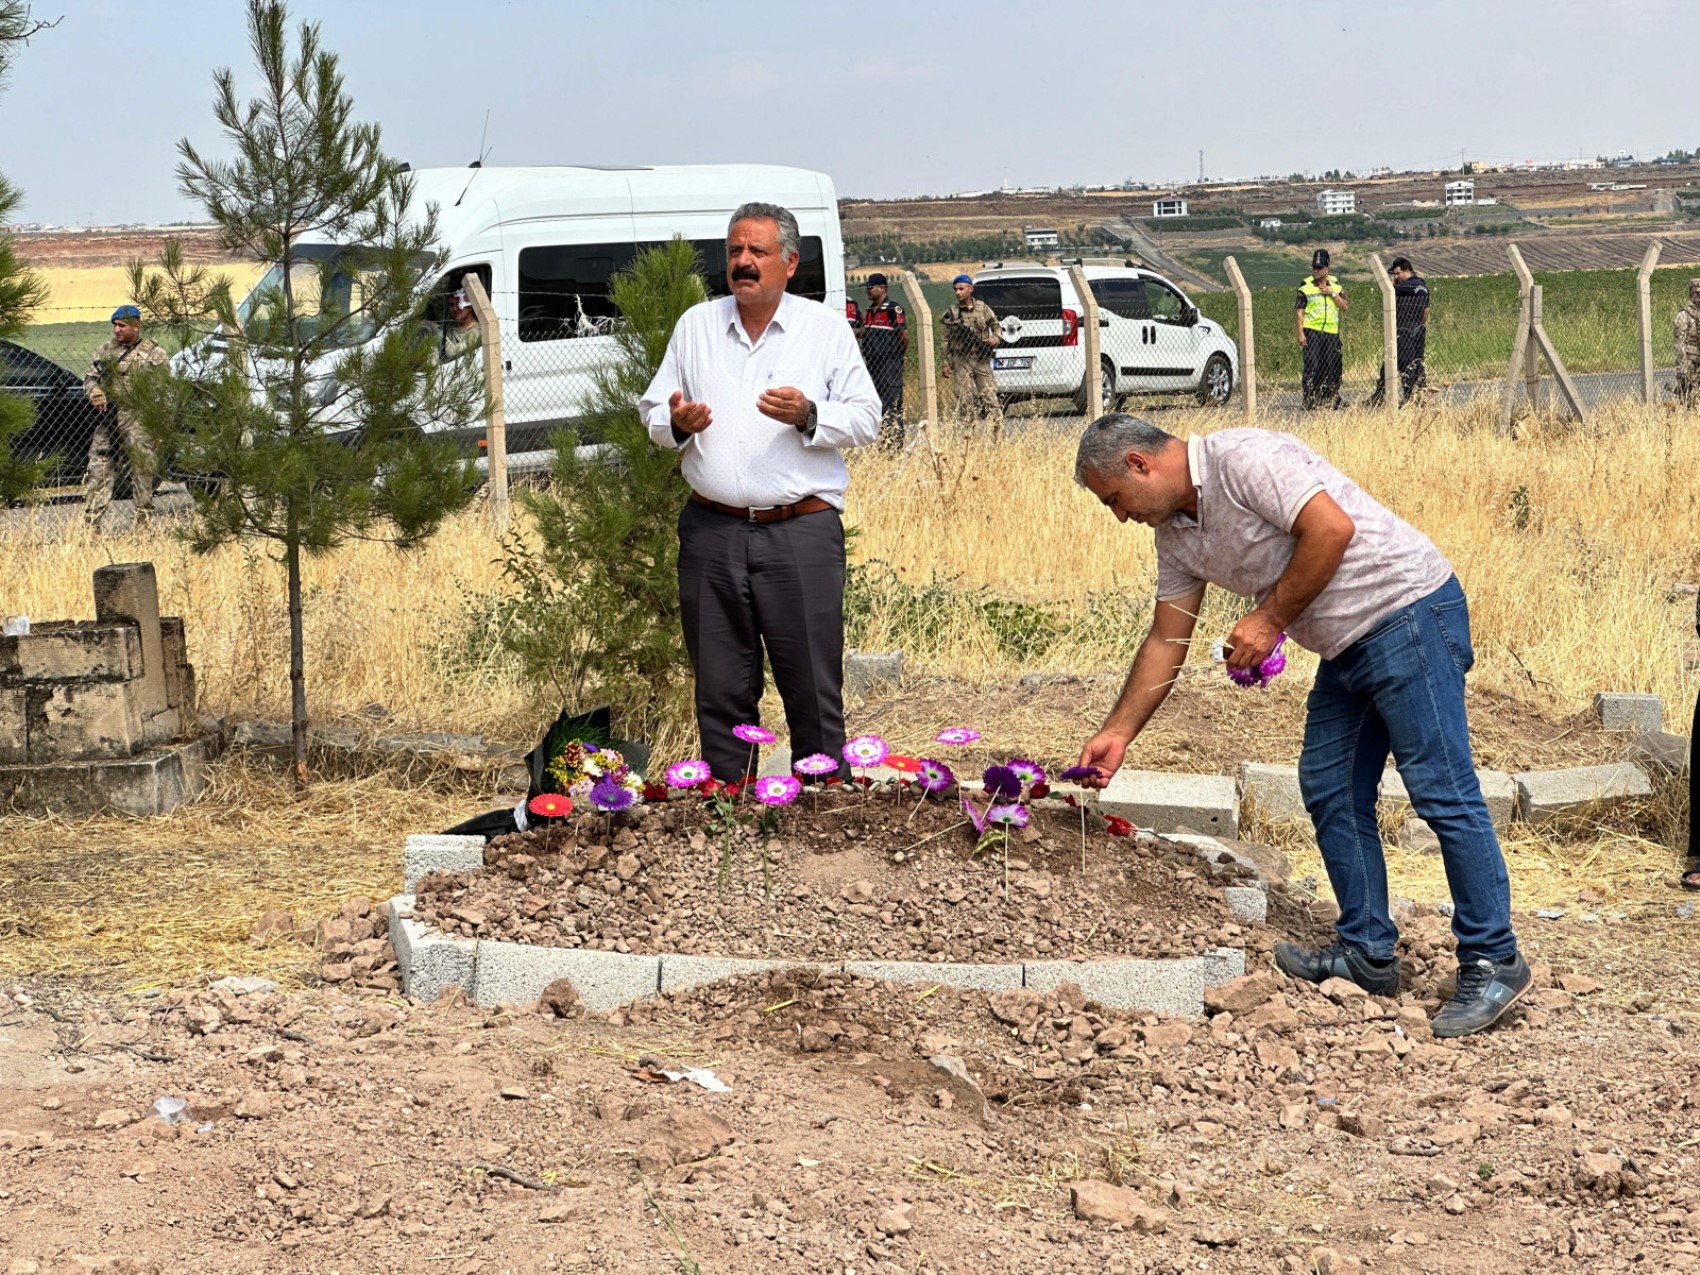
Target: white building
<point>1336,203</point>
<point>1168,208</point>
<point>1460,194</point>
<point>1040,238</point>
<point>1269,223</point>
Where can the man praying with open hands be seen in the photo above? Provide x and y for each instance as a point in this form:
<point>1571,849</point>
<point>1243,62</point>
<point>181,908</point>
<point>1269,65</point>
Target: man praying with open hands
<point>761,391</point>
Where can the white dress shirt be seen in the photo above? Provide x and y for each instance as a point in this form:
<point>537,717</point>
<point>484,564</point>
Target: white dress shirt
<point>745,458</point>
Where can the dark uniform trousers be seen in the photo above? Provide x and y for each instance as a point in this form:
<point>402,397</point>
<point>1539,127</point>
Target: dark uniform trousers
<point>745,586</point>
<point>1322,369</point>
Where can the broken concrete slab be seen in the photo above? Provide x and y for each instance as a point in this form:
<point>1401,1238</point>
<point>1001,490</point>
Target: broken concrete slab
<point>423,854</point>
<point>1546,795</point>
<point>1626,711</point>
<point>867,671</point>
<point>149,783</point>
<point>1498,791</point>
<point>1165,802</point>
<point>1266,862</point>
<point>1660,751</point>
<point>1271,792</point>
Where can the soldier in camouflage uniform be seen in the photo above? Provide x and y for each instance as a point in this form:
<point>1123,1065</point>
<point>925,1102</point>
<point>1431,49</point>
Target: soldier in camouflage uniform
<point>1686,332</point>
<point>108,378</point>
<point>970,334</point>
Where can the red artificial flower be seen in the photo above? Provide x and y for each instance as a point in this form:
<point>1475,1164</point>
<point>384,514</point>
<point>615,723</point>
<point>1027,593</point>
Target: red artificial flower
<point>903,764</point>
<point>1119,827</point>
<point>709,787</point>
<point>1069,797</point>
<point>864,780</point>
<point>1040,790</point>
<point>655,792</point>
<point>732,790</point>
<point>550,805</point>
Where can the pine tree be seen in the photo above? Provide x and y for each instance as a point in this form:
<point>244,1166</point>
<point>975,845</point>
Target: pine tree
<point>309,430</point>
<point>21,290</point>
<point>598,600</point>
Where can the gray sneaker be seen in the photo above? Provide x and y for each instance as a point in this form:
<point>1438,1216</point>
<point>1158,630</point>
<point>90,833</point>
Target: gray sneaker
<point>1486,989</point>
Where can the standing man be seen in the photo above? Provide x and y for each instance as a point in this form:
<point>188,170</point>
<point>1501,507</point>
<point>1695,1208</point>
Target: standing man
<point>1686,335</point>
<point>970,335</point>
<point>1262,515</point>
<point>1410,311</point>
<point>108,378</point>
<point>462,335</point>
<point>760,391</point>
<point>883,329</point>
<point>1320,305</point>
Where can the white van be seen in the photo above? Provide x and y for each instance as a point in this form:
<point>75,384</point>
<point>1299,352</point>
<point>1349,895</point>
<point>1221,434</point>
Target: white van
<point>1151,339</point>
<point>545,242</point>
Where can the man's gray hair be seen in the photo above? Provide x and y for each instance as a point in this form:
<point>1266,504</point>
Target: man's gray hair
<point>1107,441</point>
<point>790,238</point>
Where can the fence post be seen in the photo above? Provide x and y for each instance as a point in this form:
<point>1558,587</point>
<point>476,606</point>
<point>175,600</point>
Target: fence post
<point>1094,384</point>
<point>1248,342</point>
<point>496,432</point>
<point>1644,307</point>
<point>1389,333</point>
<point>921,330</point>
<point>1522,348</point>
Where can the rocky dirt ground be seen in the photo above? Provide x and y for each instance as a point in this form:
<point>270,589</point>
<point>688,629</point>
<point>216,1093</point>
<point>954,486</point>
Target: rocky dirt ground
<point>868,1128</point>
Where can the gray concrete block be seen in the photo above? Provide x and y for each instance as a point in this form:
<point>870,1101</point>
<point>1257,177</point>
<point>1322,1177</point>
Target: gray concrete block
<point>1165,802</point>
<point>1655,750</point>
<point>1168,986</point>
<point>71,652</point>
<point>518,973</point>
<point>1416,835</point>
<point>987,978</point>
<point>149,783</point>
<point>777,762</point>
<point>865,671</point>
<point>1248,902</point>
<point>1498,791</point>
<point>423,854</point>
<point>1222,964</point>
<point>1621,710</point>
<point>1273,790</point>
<point>1546,795</point>
<point>681,972</point>
<point>129,592</point>
<point>1268,863</point>
<point>431,962</point>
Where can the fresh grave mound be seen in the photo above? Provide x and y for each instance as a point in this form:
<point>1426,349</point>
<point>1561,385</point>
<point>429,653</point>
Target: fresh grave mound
<point>852,876</point>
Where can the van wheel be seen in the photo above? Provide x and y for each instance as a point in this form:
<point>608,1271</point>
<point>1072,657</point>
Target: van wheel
<point>1107,376</point>
<point>1216,386</point>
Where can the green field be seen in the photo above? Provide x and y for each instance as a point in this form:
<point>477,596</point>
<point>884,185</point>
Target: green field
<point>69,344</point>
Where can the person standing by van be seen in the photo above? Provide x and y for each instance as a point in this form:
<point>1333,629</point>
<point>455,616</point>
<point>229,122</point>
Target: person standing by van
<point>108,377</point>
<point>1321,302</point>
<point>760,392</point>
<point>971,333</point>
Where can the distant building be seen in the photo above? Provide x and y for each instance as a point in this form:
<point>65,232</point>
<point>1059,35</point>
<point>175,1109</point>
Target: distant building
<point>1460,194</point>
<point>1381,170</point>
<point>1269,223</point>
<point>1038,238</point>
<point>1336,203</point>
<point>1168,208</point>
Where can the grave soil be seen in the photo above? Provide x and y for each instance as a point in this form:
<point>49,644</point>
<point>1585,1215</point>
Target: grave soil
<point>852,876</point>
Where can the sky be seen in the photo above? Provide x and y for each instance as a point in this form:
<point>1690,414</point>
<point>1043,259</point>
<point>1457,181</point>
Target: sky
<point>928,96</point>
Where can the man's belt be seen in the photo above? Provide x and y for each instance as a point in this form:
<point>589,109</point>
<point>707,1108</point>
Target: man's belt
<point>772,513</point>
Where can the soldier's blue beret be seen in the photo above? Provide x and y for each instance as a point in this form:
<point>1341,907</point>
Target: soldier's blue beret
<point>128,313</point>
<point>961,278</point>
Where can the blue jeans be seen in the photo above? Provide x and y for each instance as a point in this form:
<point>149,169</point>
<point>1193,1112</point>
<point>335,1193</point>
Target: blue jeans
<point>1400,688</point>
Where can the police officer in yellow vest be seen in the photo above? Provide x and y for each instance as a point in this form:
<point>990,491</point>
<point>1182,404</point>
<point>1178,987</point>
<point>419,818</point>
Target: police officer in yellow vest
<point>1321,302</point>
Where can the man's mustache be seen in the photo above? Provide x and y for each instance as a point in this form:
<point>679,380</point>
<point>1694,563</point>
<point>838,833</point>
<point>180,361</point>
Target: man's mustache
<point>746,272</point>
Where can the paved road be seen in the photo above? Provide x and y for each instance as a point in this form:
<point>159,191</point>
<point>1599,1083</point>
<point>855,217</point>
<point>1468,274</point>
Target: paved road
<point>61,513</point>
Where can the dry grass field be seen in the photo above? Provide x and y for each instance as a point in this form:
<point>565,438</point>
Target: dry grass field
<point>83,293</point>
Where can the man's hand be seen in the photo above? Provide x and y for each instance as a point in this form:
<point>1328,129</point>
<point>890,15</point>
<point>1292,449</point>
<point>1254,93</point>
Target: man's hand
<point>784,403</point>
<point>945,371</point>
<point>1252,640</point>
<point>99,400</point>
<point>1104,751</point>
<point>688,418</point>
<point>1301,338</point>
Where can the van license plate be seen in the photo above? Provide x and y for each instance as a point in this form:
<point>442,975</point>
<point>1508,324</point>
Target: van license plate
<point>1012,364</point>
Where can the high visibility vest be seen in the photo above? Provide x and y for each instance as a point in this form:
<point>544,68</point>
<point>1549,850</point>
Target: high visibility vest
<point>1322,314</point>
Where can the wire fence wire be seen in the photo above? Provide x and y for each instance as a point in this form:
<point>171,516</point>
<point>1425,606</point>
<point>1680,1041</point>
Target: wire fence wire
<point>554,338</point>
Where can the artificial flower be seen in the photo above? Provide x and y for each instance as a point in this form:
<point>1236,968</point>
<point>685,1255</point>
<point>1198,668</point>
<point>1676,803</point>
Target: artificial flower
<point>1001,781</point>
<point>1030,773</point>
<point>1119,827</point>
<point>688,773</point>
<point>777,790</point>
<point>754,734</point>
<point>957,735</point>
<point>1013,815</point>
<point>610,796</point>
<point>1074,774</point>
<point>1271,666</point>
<point>550,805</point>
<point>866,750</point>
<point>902,764</point>
<point>655,792</point>
<point>815,764</point>
<point>934,776</point>
<point>974,816</point>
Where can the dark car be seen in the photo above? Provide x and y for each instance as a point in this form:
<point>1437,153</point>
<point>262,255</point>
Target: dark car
<point>64,418</point>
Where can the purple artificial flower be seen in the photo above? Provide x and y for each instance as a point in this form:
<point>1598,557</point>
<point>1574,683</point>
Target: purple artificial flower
<point>1272,665</point>
<point>777,790</point>
<point>866,750</point>
<point>815,764</point>
<point>1074,774</point>
<point>1001,781</point>
<point>1013,815</point>
<point>958,735</point>
<point>610,796</point>
<point>974,816</point>
<point>934,776</point>
<point>688,774</point>
<point>754,734</point>
<point>1030,773</point>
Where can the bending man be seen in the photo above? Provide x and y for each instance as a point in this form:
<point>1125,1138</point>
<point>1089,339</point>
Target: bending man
<point>1262,515</point>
